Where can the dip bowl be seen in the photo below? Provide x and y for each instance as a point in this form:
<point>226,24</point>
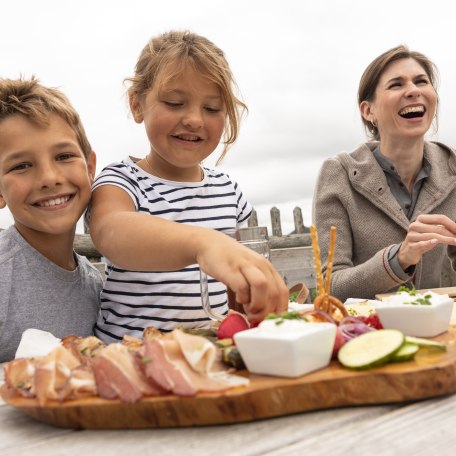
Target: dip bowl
<point>425,314</point>
<point>286,348</point>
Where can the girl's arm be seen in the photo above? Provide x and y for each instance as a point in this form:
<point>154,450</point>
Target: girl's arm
<point>144,242</point>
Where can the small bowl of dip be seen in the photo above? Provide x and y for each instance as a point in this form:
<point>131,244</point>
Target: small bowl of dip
<point>425,314</point>
<point>286,348</point>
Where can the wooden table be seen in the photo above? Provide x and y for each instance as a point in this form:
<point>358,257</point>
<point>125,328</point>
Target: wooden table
<point>419,428</point>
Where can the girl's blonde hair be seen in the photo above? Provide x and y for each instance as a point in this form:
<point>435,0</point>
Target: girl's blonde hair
<point>35,102</point>
<point>166,57</point>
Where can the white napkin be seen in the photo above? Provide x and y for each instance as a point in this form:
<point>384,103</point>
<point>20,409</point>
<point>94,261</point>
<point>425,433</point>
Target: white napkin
<point>35,342</point>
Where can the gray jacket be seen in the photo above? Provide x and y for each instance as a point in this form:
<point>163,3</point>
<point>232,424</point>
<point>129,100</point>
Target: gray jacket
<point>352,194</point>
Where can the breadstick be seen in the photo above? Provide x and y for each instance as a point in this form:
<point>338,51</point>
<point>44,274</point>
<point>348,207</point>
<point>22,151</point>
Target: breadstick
<point>317,259</point>
<point>334,304</point>
<point>332,247</point>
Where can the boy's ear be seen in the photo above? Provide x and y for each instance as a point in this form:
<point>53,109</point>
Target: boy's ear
<point>2,202</point>
<point>91,165</point>
<point>135,107</point>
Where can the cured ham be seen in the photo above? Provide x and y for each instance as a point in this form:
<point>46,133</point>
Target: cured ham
<point>117,375</point>
<point>174,363</point>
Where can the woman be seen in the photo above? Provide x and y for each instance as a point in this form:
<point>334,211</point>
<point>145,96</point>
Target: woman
<point>392,200</point>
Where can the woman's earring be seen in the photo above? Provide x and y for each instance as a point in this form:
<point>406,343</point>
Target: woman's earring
<point>374,125</point>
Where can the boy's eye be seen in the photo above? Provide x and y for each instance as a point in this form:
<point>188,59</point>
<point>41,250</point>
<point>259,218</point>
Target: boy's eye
<point>20,167</point>
<point>65,156</point>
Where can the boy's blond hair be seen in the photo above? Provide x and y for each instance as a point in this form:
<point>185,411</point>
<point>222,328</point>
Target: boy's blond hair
<point>168,55</point>
<point>35,102</point>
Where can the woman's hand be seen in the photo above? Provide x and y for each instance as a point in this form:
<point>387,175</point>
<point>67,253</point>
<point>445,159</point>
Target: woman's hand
<point>252,278</point>
<point>423,235</point>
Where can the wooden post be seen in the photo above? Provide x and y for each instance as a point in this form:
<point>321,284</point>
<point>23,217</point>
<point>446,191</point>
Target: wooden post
<point>253,220</point>
<point>298,221</point>
<point>275,222</point>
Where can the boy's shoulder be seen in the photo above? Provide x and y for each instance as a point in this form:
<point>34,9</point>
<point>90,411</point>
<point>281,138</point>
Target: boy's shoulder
<point>9,244</point>
<point>89,269</point>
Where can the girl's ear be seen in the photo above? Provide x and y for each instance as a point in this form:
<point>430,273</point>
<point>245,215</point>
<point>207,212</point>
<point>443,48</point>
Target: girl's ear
<point>135,107</point>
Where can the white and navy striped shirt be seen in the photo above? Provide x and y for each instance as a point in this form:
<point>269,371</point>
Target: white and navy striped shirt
<point>132,301</point>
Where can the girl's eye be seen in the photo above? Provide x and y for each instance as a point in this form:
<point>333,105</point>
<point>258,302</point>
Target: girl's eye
<point>422,81</point>
<point>173,104</point>
<point>212,110</point>
<point>394,85</point>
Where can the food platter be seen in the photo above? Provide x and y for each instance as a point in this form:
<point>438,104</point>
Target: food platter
<point>431,374</point>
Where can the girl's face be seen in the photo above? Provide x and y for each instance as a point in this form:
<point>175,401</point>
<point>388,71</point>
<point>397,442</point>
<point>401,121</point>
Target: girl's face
<point>405,101</point>
<point>184,122</point>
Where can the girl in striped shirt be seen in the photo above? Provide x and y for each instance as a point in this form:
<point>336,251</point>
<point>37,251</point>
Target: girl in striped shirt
<point>160,218</point>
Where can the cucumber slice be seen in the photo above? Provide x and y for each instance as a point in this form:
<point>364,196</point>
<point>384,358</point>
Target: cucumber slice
<point>425,343</point>
<point>371,349</point>
<point>405,353</point>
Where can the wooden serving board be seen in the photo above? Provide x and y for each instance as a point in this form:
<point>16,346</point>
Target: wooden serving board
<point>450,291</point>
<point>431,374</point>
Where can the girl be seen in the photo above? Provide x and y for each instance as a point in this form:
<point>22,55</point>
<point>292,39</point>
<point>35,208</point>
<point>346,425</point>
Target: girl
<point>392,199</point>
<point>166,212</point>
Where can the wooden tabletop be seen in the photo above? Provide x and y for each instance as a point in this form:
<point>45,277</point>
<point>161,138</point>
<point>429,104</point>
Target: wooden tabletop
<point>417,428</point>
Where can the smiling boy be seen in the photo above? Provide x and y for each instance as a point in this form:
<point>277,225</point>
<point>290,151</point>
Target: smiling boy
<point>46,170</point>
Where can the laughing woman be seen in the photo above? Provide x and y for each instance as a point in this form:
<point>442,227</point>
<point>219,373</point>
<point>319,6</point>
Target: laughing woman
<point>393,199</point>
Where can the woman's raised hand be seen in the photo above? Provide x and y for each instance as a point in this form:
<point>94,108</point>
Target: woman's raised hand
<point>423,235</point>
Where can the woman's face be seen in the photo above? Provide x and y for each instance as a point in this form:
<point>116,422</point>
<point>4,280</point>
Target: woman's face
<point>405,101</point>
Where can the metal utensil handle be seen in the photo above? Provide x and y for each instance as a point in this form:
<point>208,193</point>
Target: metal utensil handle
<point>205,299</point>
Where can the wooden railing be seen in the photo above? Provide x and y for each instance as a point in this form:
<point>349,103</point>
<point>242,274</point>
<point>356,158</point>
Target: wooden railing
<point>291,254</point>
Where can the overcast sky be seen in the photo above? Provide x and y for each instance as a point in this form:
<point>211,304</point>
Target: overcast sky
<point>297,64</point>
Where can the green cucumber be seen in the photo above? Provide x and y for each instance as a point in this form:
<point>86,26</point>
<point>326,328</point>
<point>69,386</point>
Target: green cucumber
<point>405,353</point>
<point>371,349</point>
<point>425,343</point>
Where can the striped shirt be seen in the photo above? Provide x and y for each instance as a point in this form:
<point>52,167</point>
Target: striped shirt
<point>131,301</point>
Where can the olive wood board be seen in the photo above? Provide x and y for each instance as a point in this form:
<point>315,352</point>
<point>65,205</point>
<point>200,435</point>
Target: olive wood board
<point>450,291</point>
<point>432,373</point>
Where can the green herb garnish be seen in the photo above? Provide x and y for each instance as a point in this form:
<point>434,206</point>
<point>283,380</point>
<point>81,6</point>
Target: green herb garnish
<point>293,296</point>
<point>425,301</point>
<point>408,289</point>
<point>291,315</point>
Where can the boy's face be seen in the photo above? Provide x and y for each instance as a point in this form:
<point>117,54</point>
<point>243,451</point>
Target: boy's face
<point>44,178</point>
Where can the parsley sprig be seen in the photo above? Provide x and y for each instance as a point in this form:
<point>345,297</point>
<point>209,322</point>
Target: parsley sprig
<point>424,301</point>
<point>290,315</point>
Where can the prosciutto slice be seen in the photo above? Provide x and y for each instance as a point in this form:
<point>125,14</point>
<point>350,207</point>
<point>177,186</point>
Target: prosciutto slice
<point>117,375</point>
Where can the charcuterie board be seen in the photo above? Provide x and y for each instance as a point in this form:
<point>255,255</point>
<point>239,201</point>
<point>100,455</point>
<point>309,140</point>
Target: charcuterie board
<point>431,374</point>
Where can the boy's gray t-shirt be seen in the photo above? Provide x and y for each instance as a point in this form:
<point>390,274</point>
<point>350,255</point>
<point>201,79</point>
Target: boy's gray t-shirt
<point>36,293</point>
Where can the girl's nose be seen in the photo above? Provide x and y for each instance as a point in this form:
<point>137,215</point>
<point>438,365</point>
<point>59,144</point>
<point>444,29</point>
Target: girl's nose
<point>193,118</point>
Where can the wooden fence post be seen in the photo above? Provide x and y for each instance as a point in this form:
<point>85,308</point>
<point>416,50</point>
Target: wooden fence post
<point>298,220</point>
<point>253,220</point>
<point>275,222</point>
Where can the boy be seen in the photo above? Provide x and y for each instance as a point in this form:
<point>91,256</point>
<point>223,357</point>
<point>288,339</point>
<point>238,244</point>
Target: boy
<point>46,171</point>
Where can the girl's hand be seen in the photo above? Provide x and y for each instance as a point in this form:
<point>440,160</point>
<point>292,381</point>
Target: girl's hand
<point>423,235</point>
<point>251,277</point>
